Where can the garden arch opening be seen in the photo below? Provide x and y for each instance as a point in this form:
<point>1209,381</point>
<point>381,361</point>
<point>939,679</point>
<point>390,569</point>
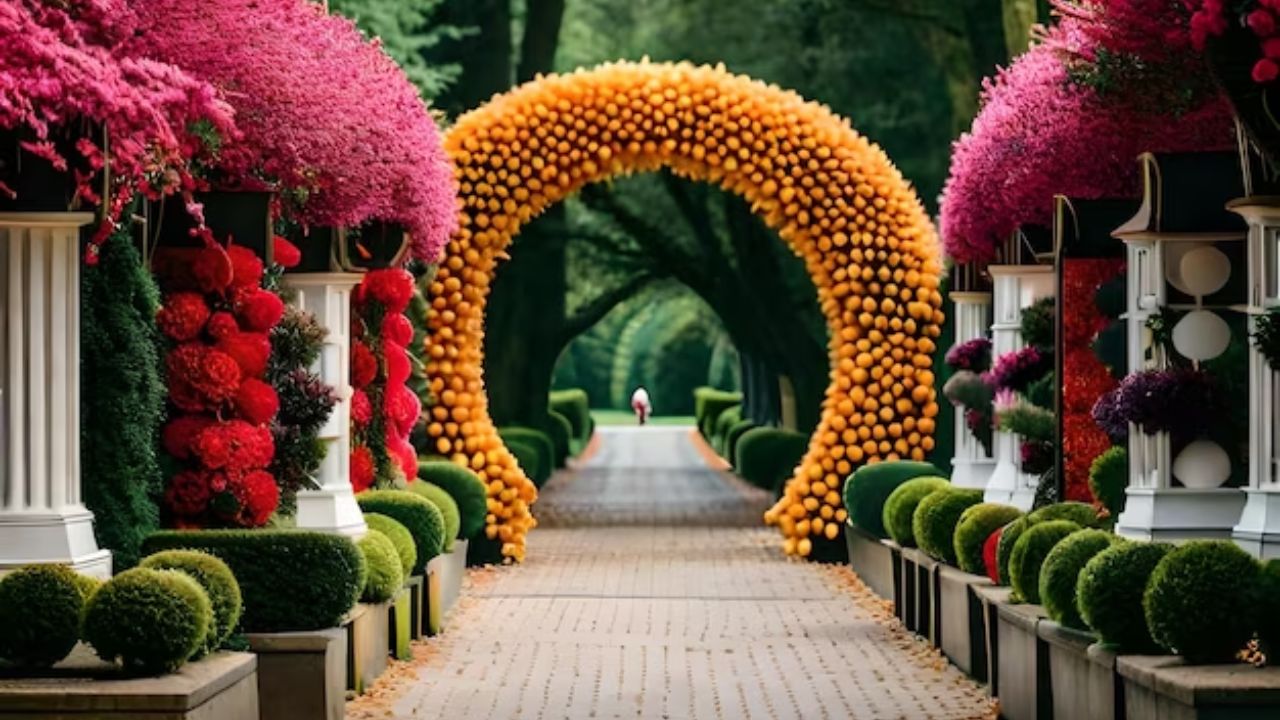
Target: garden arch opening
<point>833,197</point>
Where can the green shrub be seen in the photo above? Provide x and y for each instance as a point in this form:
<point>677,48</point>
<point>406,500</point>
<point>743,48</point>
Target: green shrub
<point>1268,605</point>
<point>424,520</point>
<point>1108,478</point>
<point>1004,549</point>
<point>87,586</point>
<point>708,403</point>
<point>219,584</point>
<point>768,456</point>
<point>1109,594</point>
<point>1028,556</point>
<point>289,579</point>
<point>540,443</point>
<point>530,461</point>
<point>152,620</point>
<point>445,504</point>
<point>1199,600</point>
<point>867,489</point>
<point>40,609</point>
<point>561,432</point>
<point>1061,571</point>
<point>975,526</point>
<point>465,487</point>
<point>400,537</point>
<point>576,407</point>
<point>934,522</point>
<point>725,421</point>
<point>1079,513</point>
<point>901,506</point>
<point>735,434</point>
<point>385,578</point>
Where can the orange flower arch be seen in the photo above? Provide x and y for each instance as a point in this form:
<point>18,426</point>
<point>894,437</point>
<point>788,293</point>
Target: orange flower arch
<point>834,197</point>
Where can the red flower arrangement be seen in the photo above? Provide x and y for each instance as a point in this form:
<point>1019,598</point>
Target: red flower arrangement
<point>383,409</point>
<point>326,116</point>
<point>219,426</point>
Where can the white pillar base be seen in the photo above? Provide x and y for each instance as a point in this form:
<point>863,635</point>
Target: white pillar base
<point>971,473</point>
<point>1259,528</point>
<point>65,538</point>
<point>1176,514</point>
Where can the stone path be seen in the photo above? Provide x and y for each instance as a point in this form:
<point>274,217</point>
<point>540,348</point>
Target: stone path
<point>651,591</point>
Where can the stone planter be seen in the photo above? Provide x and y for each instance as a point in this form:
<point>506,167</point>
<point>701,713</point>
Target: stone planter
<point>871,559</point>
<point>433,608</point>
<point>454,569</point>
<point>1082,674</point>
<point>311,664</point>
<point>961,628</point>
<point>223,685</point>
<point>399,619</point>
<point>1165,688</point>
<point>990,598</point>
<point>417,587</point>
<point>909,573</point>
<point>926,589</point>
<point>895,554</point>
<point>1022,668</point>
<point>368,637</point>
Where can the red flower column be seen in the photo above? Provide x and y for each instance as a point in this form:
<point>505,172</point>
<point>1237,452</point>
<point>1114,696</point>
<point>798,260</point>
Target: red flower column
<point>42,518</point>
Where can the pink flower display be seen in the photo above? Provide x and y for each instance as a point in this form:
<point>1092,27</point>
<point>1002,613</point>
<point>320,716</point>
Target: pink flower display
<point>326,116</point>
<point>1050,125</point>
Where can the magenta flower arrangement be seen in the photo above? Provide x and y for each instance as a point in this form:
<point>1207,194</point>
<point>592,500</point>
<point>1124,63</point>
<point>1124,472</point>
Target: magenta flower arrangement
<point>1043,130</point>
<point>327,118</point>
<point>1016,370</point>
<point>1180,401</point>
<point>972,355</point>
<point>64,64</point>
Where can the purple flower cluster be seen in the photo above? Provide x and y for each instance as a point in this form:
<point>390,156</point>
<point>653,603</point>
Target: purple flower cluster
<point>1180,401</point>
<point>972,355</point>
<point>1018,369</point>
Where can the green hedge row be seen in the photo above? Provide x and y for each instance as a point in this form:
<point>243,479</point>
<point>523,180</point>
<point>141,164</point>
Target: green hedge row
<point>465,487</point>
<point>708,403</point>
<point>534,450</point>
<point>768,456</point>
<point>575,406</point>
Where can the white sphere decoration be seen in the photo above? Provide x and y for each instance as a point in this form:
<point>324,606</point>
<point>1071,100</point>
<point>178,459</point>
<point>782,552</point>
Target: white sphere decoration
<point>1202,465</point>
<point>1173,253</point>
<point>1201,335</point>
<point>1204,270</point>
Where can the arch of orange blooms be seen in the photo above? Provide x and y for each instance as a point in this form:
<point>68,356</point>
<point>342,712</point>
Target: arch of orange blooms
<point>834,197</point>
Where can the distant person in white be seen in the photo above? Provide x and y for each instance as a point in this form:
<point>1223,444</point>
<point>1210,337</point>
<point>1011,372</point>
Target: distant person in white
<point>640,404</point>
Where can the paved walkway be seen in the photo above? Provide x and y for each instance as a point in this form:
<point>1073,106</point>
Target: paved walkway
<point>651,591</point>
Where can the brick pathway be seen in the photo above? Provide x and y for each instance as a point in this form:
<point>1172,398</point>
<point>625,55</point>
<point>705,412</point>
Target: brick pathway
<point>652,592</point>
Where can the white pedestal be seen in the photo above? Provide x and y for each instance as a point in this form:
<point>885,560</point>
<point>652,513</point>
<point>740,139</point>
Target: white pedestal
<point>972,465</point>
<point>42,517</point>
<point>1259,528</point>
<point>332,507</point>
<point>1176,514</point>
<point>1016,288</point>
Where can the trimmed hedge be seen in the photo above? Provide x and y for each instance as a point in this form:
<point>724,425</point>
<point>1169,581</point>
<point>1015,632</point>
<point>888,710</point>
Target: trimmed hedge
<point>975,526</point>
<point>1004,547</point>
<point>561,432</point>
<point>901,506</point>
<point>1268,597</point>
<point>289,579</point>
<point>868,488</point>
<point>1029,552</point>
<point>720,431</point>
<point>445,504</point>
<point>735,434</point>
<point>423,519</point>
<point>1109,594</point>
<point>1108,478</point>
<point>40,608</point>
<point>1061,571</point>
<point>768,456</point>
<point>1199,601</point>
<point>152,620</point>
<point>385,578</point>
<point>399,536</point>
<point>934,522</point>
<point>1079,513</point>
<point>465,487</point>
<point>219,584</point>
<point>540,442</point>
<point>530,460</point>
<point>708,403</point>
<point>576,407</point>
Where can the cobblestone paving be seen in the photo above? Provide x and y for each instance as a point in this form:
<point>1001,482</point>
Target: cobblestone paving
<point>651,591</point>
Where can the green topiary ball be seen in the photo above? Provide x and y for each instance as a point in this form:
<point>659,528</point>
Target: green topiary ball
<point>1109,594</point>
<point>445,504</point>
<point>419,515</point>
<point>560,430</point>
<point>1061,570</point>
<point>1004,549</point>
<point>399,536</point>
<point>1029,553</point>
<point>1108,478</point>
<point>975,526</point>
<point>1199,603</point>
<point>868,488</point>
<point>218,583</point>
<point>152,620</point>
<point>530,460</point>
<point>901,506</point>
<point>385,577</point>
<point>87,585</point>
<point>40,609</point>
<point>1079,513</point>
<point>465,487</point>
<point>934,522</point>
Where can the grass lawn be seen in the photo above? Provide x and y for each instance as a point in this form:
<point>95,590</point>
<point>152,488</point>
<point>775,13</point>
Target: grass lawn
<point>624,417</point>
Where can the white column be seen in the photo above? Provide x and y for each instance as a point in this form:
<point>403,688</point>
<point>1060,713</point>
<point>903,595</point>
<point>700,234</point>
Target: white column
<point>1016,287</point>
<point>972,465</point>
<point>332,507</point>
<point>42,518</point>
